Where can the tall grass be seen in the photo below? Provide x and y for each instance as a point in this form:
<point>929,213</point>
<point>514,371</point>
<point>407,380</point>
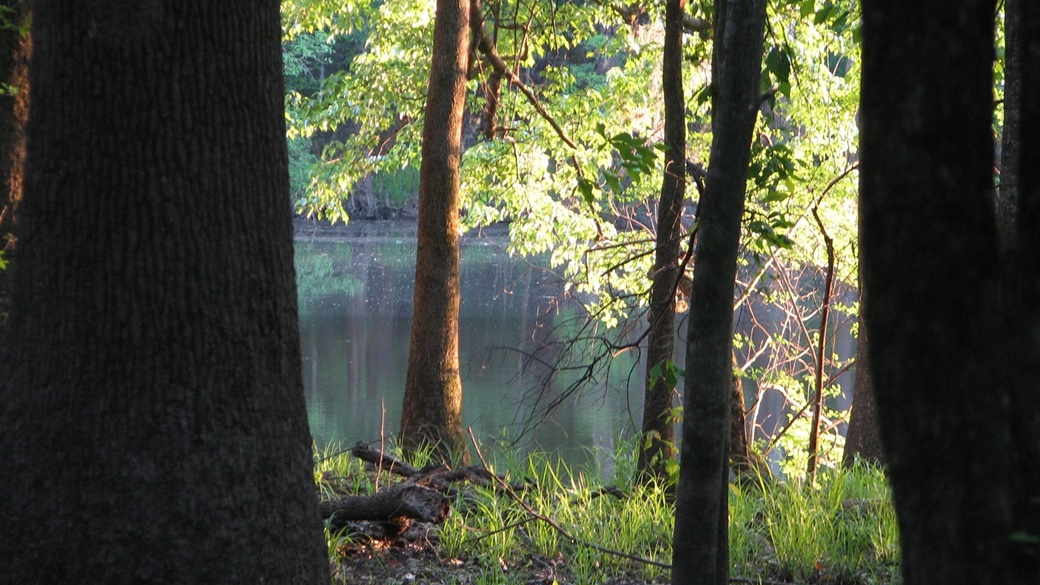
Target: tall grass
<point>841,529</point>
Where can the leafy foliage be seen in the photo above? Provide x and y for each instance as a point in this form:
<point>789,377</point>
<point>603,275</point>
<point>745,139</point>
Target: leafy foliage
<point>583,192</point>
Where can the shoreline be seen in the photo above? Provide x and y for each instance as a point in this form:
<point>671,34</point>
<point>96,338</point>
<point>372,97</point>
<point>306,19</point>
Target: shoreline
<point>315,229</point>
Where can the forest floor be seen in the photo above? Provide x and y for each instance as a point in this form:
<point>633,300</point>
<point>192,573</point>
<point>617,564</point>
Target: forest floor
<point>541,523</point>
<point>421,563</point>
<point>384,562</point>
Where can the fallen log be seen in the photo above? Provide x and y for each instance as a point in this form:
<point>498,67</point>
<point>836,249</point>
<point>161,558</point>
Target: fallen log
<point>402,502</point>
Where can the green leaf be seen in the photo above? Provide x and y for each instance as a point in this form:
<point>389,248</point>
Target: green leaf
<point>586,188</point>
<point>1024,538</point>
<point>824,13</point>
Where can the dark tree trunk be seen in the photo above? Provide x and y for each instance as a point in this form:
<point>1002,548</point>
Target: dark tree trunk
<point>432,411</point>
<point>1024,306</point>
<point>863,439</point>
<point>942,354</point>
<point>154,427</point>
<point>1007,196</point>
<point>657,446</point>
<point>700,548</point>
<point>15,48</point>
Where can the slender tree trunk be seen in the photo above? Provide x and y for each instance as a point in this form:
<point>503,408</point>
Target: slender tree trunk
<point>700,547</point>
<point>863,439</point>
<point>1007,194</point>
<point>154,426</point>
<point>942,354</point>
<point>432,410</point>
<point>657,446</point>
<point>740,456</point>
<point>15,48</point>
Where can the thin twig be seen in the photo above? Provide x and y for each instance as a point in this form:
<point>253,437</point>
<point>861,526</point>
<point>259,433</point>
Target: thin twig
<point>534,513</point>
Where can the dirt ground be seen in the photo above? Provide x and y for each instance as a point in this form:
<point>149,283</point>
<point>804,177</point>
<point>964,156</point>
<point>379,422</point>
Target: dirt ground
<point>418,561</point>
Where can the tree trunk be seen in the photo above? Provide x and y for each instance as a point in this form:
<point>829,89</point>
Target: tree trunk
<point>700,547</point>
<point>943,356</point>
<point>432,410</point>
<point>15,48</point>
<point>658,443</point>
<point>863,439</point>
<point>1007,190</point>
<point>151,397</point>
<point>1024,307</point>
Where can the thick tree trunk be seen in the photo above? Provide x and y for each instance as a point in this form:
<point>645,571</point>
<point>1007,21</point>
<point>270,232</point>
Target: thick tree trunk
<point>154,427</point>
<point>432,410</point>
<point>657,446</point>
<point>700,547</point>
<point>1024,316</point>
<point>940,350</point>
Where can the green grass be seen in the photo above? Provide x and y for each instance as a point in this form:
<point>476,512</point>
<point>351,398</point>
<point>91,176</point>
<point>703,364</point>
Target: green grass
<point>841,529</point>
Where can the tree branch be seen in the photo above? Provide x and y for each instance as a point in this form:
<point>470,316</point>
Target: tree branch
<point>486,46</point>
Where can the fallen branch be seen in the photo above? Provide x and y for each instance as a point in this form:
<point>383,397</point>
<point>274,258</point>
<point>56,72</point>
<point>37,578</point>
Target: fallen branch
<point>436,477</point>
<point>404,500</point>
<point>383,461</point>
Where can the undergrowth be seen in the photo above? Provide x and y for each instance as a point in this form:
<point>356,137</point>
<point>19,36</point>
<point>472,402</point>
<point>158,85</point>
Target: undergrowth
<point>841,529</point>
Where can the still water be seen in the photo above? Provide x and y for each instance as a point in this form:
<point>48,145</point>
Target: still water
<point>355,295</point>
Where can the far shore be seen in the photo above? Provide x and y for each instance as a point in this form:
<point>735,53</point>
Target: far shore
<point>306,228</point>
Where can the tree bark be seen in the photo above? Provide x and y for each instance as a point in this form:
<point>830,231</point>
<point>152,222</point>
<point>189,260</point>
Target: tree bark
<point>1007,190</point>
<point>863,439</point>
<point>404,500</point>
<point>432,410</point>
<point>15,48</point>
<point>657,447</point>
<point>1024,304</point>
<point>943,354</point>
<point>700,547</point>
<point>154,426</point>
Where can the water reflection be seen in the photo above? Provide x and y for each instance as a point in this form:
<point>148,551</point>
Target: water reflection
<point>355,291</point>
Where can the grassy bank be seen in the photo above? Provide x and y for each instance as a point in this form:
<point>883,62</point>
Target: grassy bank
<point>840,530</point>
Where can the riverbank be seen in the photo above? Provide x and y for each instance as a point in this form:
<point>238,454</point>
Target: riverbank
<point>842,530</point>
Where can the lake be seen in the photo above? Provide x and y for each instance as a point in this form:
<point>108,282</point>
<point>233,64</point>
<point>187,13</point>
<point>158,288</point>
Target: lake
<point>355,294</point>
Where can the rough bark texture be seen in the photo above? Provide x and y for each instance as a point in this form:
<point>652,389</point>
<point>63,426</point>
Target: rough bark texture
<point>154,427</point>
<point>1024,306</point>
<point>943,354</point>
<point>400,501</point>
<point>432,410</point>
<point>863,439</point>
<point>657,446</point>
<point>744,461</point>
<point>701,525</point>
